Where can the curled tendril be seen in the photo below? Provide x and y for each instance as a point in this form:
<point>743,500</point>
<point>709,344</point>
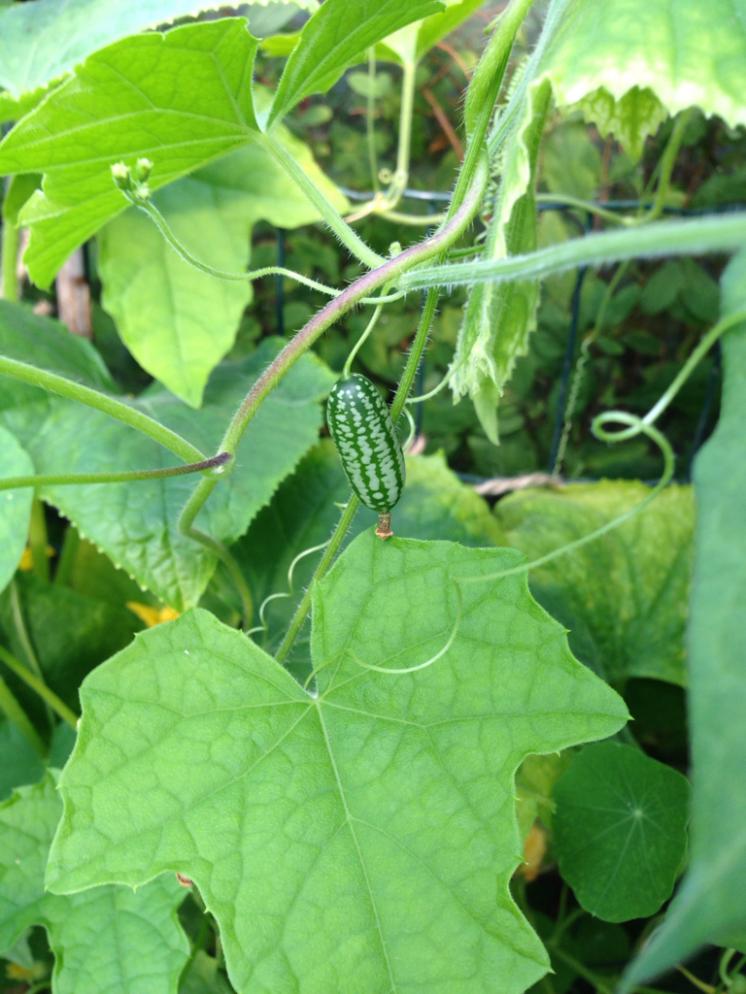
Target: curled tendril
<point>412,429</point>
<point>431,393</point>
<point>633,426</point>
<point>262,626</point>
<point>133,185</point>
<point>395,671</point>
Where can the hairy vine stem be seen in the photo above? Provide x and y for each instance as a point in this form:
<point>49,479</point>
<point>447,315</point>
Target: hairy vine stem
<point>116,409</point>
<point>349,238</point>
<point>215,463</point>
<point>694,236</point>
<point>471,185</point>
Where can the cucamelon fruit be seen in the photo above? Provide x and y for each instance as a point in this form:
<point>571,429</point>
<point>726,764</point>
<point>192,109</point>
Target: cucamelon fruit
<point>372,458</point>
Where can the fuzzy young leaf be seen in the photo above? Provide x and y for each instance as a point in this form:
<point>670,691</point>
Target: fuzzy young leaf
<point>624,597</point>
<point>179,322</point>
<point>15,506</point>
<point>498,319</point>
<point>709,906</point>
<point>107,941</point>
<point>182,99</point>
<point>335,38</point>
<point>135,524</point>
<point>381,808</point>
<point>619,830</point>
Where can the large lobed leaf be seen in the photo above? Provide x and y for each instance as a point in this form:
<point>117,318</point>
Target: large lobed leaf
<point>135,524</point>
<point>625,596</point>
<point>361,837</point>
<point>182,99</point>
<point>107,941</point>
<point>179,322</point>
<point>710,907</point>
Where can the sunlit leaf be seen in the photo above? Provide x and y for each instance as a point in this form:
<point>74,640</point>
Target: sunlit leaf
<point>181,99</point>
<point>624,597</point>
<point>380,808</point>
<point>335,38</point>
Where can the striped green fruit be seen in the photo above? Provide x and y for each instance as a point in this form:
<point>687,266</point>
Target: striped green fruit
<point>360,424</point>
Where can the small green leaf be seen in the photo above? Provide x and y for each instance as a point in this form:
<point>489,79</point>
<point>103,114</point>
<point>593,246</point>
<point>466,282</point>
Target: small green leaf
<point>380,808</point>
<point>181,99</point>
<point>335,38</point>
<point>109,940</point>
<point>619,830</point>
<point>709,906</point>
<point>176,321</point>
<point>625,596</point>
<point>434,28</point>
<point>15,507</point>
<point>412,43</point>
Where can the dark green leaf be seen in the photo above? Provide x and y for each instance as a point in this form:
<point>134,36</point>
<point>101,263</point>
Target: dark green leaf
<point>619,830</point>
<point>15,506</point>
<point>70,633</point>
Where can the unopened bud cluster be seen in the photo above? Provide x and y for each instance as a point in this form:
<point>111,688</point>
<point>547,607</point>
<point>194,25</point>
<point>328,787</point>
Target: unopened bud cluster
<point>133,181</point>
